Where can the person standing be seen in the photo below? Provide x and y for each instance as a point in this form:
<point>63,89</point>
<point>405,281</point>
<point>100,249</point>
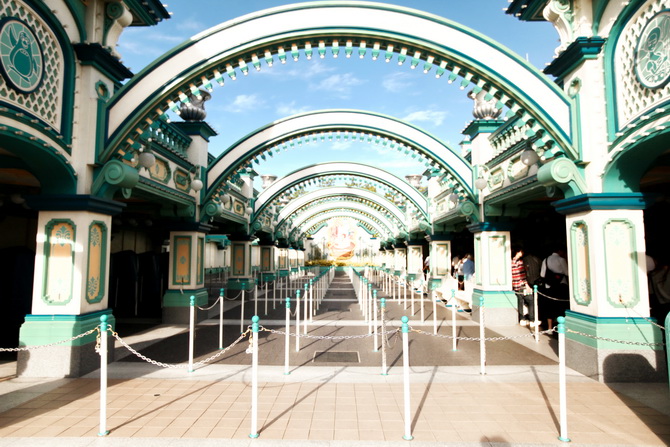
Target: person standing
<point>522,289</point>
<point>554,272</point>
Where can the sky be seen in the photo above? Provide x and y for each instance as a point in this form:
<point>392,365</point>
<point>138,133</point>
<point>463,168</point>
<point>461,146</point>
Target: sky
<point>260,98</point>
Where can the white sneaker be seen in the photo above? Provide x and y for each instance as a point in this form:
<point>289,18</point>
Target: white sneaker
<point>523,323</point>
<point>534,323</point>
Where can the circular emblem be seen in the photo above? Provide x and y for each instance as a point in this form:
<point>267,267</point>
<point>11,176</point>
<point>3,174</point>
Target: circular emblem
<point>652,56</point>
<point>21,61</point>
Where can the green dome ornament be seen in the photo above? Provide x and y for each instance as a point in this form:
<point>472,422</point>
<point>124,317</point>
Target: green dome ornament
<point>21,59</point>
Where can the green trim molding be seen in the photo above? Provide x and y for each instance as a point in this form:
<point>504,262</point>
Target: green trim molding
<point>581,49</point>
<point>475,127</point>
<point>44,329</point>
<point>246,284</point>
<point>74,202</point>
<point>494,299</point>
<point>627,329</point>
<point>95,55</point>
<point>199,128</point>
<point>177,298</point>
<point>603,201</point>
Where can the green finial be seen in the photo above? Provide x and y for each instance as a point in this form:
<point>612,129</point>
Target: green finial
<point>254,323</point>
<point>221,291</point>
<point>561,325</point>
<point>405,326</point>
<point>192,300</point>
<point>297,293</point>
<point>383,301</point>
<point>288,302</point>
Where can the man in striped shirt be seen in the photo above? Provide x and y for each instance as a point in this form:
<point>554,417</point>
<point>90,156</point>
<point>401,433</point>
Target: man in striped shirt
<point>522,289</point>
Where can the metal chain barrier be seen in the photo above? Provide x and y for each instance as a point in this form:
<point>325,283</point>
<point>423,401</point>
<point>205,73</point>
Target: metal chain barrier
<point>623,342</point>
<point>641,316</point>
<point>210,307</point>
<point>419,331</point>
<point>223,351</point>
<point>235,297</point>
<point>28,348</point>
<point>172,365</point>
<point>551,297</point>
<point>325,337</point>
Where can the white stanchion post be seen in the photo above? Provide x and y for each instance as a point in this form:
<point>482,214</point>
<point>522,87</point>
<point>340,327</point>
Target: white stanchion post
<point>432,296</point>
<point>370,316</point>
<point>191,334</point>
<point>405,368</point>
<point>535,313</point>
<point>383,317</point>
<point>274,293</point>
<point>482,338</point>
<point>297,320</point>
<point>266,298</point>
<point>254,377</point>
<point>411,300</point>
<point>453,319</point>
<point>422,304</point>
<point>103,376</point>
<point>255,299</point>
<point>304,319</point>
<point>221,300</point>
<point>242,313</point>
<point>404,292</point>
<point>312,311</point>
<point>288,331</point>
<point>563,396</point>
<point>374,310</point>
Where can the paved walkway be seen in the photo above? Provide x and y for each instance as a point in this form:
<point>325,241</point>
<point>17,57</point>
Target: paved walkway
<point>336,402</point>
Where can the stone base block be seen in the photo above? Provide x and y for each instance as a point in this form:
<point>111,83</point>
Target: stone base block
<point>500,307</point>
<point>496,316</point>
<point>61,361</point>
<point>608,365</point>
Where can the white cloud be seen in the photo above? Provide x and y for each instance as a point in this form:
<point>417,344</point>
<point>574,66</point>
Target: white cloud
<point>339,85</point>
<point>397,82</point>
<point>191,25</point>
<point>244,103</point>
<point>434,117</point>
<point>340,145</point>
<point>287,109</point>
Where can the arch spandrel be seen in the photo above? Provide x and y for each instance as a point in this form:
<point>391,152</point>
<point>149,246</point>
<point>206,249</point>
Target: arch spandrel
<point>465,53</point>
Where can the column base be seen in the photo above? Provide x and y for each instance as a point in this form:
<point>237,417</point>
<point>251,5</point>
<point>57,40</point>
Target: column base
<point>241,283</point>
<point>176,306</point>
<point>607,361</point>
<point>500,307</point>
<point>72,359</point>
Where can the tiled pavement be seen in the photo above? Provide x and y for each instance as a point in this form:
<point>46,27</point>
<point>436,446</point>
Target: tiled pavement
<point>336,404</point>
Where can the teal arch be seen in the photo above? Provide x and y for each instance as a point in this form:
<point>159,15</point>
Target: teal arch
<point>342,212</point>
<point>380,129</point>
<point>624,172</point>
<point>308,29</point>
<point>46,163</point>
<point>300,176</point>
<point>346,202</point>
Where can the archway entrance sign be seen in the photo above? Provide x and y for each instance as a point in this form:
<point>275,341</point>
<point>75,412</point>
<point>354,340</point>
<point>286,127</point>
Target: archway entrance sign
<point>423,40</point>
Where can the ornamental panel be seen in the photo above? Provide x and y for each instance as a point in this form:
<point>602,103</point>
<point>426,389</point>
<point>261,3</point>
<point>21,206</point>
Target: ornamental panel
<point>59,267</point>
<point>31,62</point>
<point>239,259</point>
<point>580,276</point>
<point>96,265</point>
<point>621,263</point>
<point>642,61</point>
<point>442,261</point>
<point>160,171</point>
<point>181,266</point>
<point>201,257</point>
<point>498,268</point>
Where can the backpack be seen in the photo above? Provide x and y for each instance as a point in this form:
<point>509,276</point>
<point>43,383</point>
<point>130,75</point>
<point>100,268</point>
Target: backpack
<point>550,278</point>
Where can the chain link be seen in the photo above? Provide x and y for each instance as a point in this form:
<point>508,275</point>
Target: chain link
<point>210,307</point>
<point>419,331</point>
<point>325,337</point>
<point>551,297</point>
<point>223,351</point>
<point>623,342</point>
<point>28,348</point>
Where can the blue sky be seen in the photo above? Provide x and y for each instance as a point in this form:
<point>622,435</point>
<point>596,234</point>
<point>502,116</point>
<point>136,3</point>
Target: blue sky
<point>242,106</point>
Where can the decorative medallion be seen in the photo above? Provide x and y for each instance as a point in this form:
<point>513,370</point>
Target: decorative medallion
<point>21,59</point>
<point>652,56</point>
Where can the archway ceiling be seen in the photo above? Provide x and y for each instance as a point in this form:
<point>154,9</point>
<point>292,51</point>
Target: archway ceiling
<point>337,197</point>
<point>393,226</point>
<point>314,173</point>
<point>323,218</point>
<point>309,29</point>
<point>339,125</point>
